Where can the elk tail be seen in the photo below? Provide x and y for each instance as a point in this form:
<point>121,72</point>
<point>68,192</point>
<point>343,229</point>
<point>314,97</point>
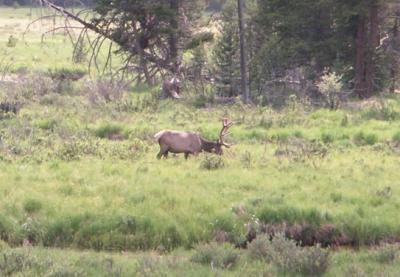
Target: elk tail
<point>159,135</point>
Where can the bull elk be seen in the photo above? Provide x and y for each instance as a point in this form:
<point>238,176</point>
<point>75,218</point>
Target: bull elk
<point>190,142</point>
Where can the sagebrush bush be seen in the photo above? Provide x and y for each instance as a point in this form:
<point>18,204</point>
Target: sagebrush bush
<point>287,256</point>
<point>212,162</point>
<point>260,248</point>
<point>330,86</point>
<point>216,255</point>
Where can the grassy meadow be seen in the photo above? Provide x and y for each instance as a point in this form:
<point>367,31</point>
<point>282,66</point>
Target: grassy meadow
<point>84,195</point>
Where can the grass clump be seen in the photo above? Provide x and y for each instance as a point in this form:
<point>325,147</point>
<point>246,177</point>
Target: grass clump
<point>362,138</point>
<point>47,124</point>
<point>327,137</point>
<point>216,255</point>
<point>111,131</point>
<point>32,206</point>
<point>291,215</point>
<point>396,137</point>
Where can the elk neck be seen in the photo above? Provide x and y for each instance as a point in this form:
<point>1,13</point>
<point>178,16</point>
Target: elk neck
<point>207,145</point>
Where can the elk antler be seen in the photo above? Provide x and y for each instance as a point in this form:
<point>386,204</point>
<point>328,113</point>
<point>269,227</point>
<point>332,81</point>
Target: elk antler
<point>226,124</point>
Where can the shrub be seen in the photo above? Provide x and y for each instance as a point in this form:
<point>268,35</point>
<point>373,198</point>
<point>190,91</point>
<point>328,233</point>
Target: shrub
<point>362,138</point>
<point>220,256</point>
<point>212,162</point>
<point>287,256</point>
<point>12,41</point>
<point>260,248</point>
<point>315,260</point>
<point>330,86</point>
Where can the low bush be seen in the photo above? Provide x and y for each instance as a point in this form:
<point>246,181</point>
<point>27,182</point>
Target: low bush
<point>288,257</point>
<point>260,248</point>
<point>216,255</point>
<point>212,162</point>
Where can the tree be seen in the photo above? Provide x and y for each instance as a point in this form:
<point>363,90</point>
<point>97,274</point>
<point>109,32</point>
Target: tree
<point>341,35</point>
<point>151,35</point>
<point>243,53</point>
<point>226,53</point>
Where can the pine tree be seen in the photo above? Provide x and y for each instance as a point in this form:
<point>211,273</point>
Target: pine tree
<point>226,54</point>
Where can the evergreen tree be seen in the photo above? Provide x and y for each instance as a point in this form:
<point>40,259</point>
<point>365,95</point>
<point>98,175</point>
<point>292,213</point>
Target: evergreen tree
<point>226,54</point>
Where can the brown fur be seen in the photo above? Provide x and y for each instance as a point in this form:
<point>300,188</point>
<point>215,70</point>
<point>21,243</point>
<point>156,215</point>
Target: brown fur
<point>189,142</point>
<point>185,142</point>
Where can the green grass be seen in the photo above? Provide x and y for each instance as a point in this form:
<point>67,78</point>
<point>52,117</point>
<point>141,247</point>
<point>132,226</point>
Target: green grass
<point>37,48</point>
<point>40,261</point>
<point>82,189</point>
<point>82,175</point>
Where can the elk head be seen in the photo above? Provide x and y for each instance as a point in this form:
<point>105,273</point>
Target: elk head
<point>226,124</point>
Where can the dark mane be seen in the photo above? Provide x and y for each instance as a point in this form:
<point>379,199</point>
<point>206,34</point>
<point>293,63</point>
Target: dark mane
<point>207,145</point>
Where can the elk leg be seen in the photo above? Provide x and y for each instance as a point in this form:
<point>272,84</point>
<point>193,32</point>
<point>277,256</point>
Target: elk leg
<point>187,155</point>
<point>163,152</point>
<point>166,154</point>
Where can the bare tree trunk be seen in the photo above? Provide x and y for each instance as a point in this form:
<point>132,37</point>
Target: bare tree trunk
<point>368,39</point>
<point>373,43</point>
<point>360,85</point>
<point>173,39</point>
<point>243,54</point>
<point>394,70</point>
